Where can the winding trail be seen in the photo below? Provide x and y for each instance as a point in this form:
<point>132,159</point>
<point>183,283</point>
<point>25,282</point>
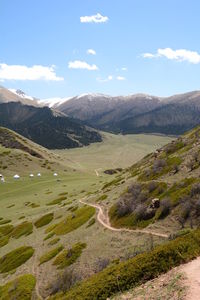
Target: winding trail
<point>104,220</point>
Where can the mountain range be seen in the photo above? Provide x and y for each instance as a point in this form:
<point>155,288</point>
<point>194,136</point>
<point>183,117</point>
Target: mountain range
<point>138,113</point>
<point>68,122</point>
<point>45,126</point>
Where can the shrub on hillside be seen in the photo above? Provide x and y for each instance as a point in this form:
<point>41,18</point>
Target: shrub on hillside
<point>137,270</point>
<point>19,288</point>
<point>15,258</point>
<point>44,220</point>
<point>65,281</point>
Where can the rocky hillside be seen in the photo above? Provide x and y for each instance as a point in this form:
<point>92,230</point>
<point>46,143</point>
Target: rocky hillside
<point>46,127</point>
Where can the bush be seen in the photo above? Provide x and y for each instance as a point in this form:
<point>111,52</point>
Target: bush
<point>24,228</point>
<point>2,222</point>
<point>20,288</point>
<point>4,240</point>
<point>54,241</point>
<point>79,217</point>
<point>48,236</point>
<point>101,264</point>
<point>68,257</point>
<point>44,220</point>
<point>57,200</point>
<point>51,254</point>
<point>102,197</point>
<point>195,189</point>
<point>65,281</point>
<point>164,209</point>
<point>15,258</point>
<point>137,270</point>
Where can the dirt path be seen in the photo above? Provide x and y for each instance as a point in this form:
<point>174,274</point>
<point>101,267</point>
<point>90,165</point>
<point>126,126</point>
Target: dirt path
<point>35,272</point>
<point>104,220</point>
<point>192,272</point>
<point>97,173</point>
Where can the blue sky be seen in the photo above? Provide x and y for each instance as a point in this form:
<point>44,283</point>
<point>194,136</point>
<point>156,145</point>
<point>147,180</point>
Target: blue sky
<point>147,46</point>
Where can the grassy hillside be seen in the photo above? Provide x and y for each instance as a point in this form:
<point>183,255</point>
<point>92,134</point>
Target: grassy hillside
<point>158,194</point>
<point>165,187</point>
<point>20,155</point>
<point>44,213</point>
<point>46,127</point>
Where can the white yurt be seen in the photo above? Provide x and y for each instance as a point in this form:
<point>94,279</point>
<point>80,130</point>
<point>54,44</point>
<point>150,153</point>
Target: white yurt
<point>16,176</point>
<point>31,175</point>
<point>55,174</point>
<point>39,175</point>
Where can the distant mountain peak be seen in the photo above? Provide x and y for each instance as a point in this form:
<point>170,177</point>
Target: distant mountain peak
<point>21,94</point>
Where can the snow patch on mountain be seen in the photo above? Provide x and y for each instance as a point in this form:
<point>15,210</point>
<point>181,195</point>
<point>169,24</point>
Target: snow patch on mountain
<point>53,102</point>
<point>21,94</point>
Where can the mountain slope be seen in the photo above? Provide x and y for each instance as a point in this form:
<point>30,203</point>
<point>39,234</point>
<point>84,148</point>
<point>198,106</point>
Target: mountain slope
<point>165,189</point>
<point>18,154</point>
<point>11,95</point>
<point>103,111</point>
<point>136,113</point>
<point>46,127</point>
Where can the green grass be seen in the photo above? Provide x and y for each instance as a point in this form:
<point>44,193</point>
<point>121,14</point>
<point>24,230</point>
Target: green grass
<point>91,222</point>
<point>57,200</point>
<point>20,288</point>
<point>6,229</point>
<point>115,151</point>
<point>51,254</point>
<point>68,257</point>
<point>54,241</point>
<point>170,163</point>
<point>180,189</point>
<point>15,258</point>
<point>102,198</point>
<point>137,270</point>
<point>128,221</point>
<point>44,220</point>
<point>79,217</point>
<point>24,228</point>
<point>114,182</point>
<point>2,222</point>
<point>4,240</point>
<point>48,236</point>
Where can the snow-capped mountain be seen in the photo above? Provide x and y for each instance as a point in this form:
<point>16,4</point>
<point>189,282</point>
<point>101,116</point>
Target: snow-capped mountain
<point>53,102</point>
<point>21,94</point>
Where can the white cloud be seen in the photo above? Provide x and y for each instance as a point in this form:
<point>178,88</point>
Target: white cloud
<point>91,51</point>
<point>124,69</point>
<point>98,18</point>
<point>20,72</point>
<point>192,57</point>
<point>109,78</point>
<point>149,55</point>
<point>78,64</point>
<point>121,78</point>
